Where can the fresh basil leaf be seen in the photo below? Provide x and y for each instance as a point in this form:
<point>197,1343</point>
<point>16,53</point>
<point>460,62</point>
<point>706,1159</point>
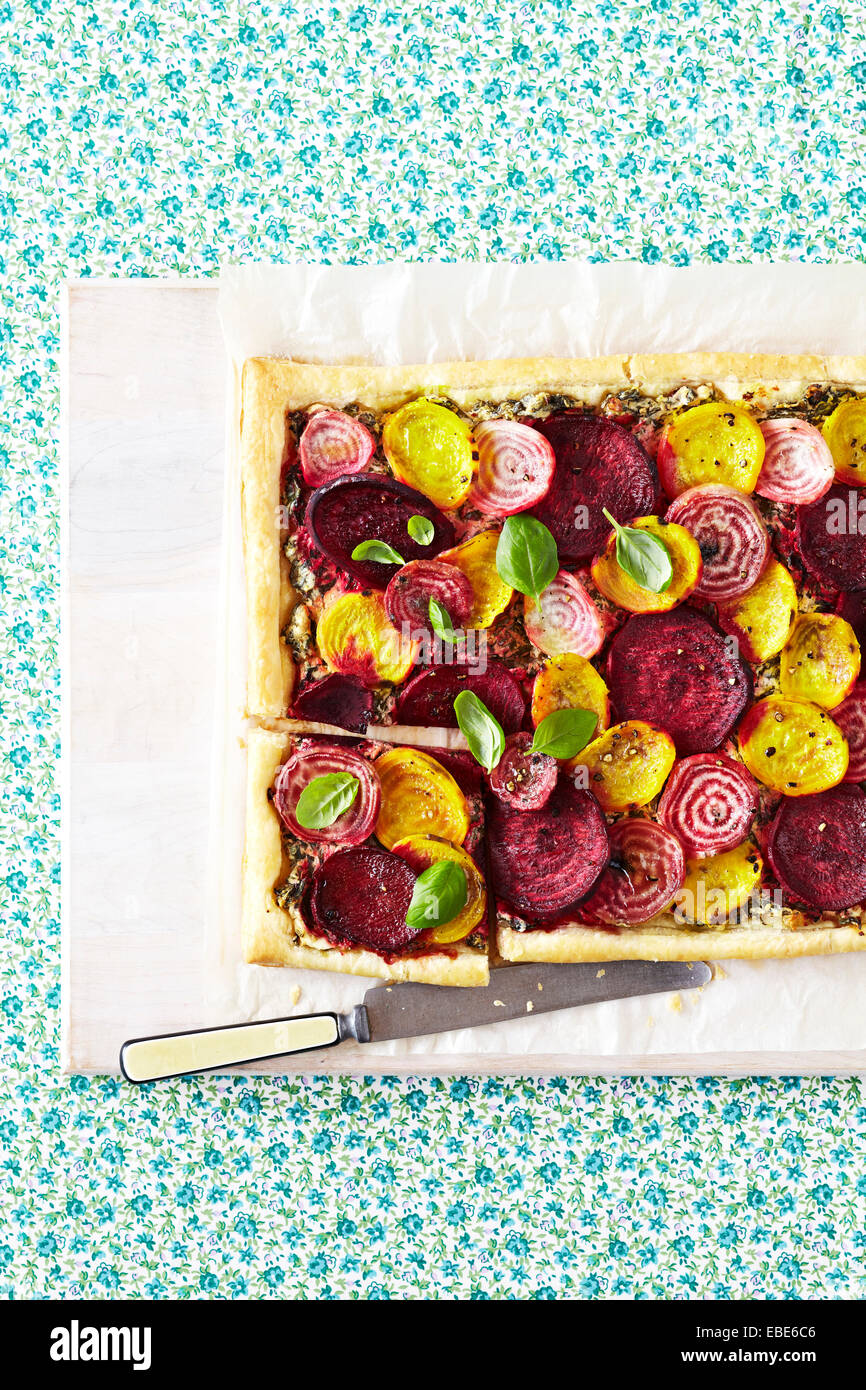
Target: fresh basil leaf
<point>421,529</point>
<point>439,894</point>
<point>440,621</point>
<point>483,733</point>
<point>378,550</point>
<point>325,798</point>
<point>564,732</point>
<point>643,556</point>
<point>526,557</point>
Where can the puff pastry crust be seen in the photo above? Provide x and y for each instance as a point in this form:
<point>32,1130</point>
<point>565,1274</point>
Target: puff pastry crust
<point>577,943</point>
<point>272,935</point>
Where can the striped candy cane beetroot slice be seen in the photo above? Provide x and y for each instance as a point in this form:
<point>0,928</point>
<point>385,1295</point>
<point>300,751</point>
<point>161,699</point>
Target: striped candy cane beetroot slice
<point>798,466</point>
<point>732,538</point>
<point>851,719</point>
<point>515,467</point>
<point>565,619</point>
<point>521,779</point>
<point>709,804</point>
<point>357,823</point>
<point>332,445</point>
<point>408,595</point>
<point>647,867</point>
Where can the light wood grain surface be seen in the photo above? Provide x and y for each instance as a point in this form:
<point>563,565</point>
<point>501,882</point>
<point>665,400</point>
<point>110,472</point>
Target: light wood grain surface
<point>144,449</point>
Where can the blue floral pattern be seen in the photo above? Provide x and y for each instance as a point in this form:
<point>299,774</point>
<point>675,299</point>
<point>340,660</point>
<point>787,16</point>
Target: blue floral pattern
<point>138,140</point>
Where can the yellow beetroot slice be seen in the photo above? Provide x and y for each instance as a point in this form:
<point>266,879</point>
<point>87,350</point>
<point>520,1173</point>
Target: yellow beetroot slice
<point>731,536</point>
<point>820,661</point>
<point>686,564</point>
<point>715,442</point>
<point>360,897</point>
<point>845,433</point>
<point>817,848</point>
<point>599,466</point>
<point>356,639</point>
<point>543,863</point>
<point>762,619</point>
<point>792,746</point>
<point>646,868</point>
<point>677,671</point>
<point>709,804</point>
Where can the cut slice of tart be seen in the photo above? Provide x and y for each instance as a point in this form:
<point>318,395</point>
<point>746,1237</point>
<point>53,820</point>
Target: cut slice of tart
<point>338,838</point>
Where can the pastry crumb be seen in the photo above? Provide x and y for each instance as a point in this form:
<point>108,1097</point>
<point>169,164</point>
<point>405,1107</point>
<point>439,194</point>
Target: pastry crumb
<point>540,987</point>
<point>529,1006</point>
<point>296,994</point>
<point>718,972</point>
<point>498,1004</point>
<point>675,1003</point>
<point>599,974</point>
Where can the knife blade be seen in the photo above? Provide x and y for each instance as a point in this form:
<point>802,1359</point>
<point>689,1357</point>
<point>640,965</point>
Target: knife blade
<point>406,1011</point>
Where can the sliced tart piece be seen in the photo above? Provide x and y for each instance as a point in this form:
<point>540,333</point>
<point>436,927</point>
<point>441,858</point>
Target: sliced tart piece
<point>321,890</point>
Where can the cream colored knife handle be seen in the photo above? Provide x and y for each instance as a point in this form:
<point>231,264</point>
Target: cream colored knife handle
<point>177,1054</point>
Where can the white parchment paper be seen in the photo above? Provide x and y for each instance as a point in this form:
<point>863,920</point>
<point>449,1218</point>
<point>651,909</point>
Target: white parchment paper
<point>399,314</point>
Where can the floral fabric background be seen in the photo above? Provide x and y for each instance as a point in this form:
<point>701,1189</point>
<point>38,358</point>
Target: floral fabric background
<point>142,138</point>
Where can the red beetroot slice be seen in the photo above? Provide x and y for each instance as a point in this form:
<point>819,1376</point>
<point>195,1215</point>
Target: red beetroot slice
<point>798,466</point>
<point>831,534</point>
<point>367,507</point>
<point>521,779</point>
<point>408,595</point>
<point>335,699</point>
<point>676,670</point>
<point>599,464</point>
<point>543,863</point>
<point>428,699</point>
<point>361,897</point>
<point>709,804</point>
<point>646,868</point>
<point>317,760</point>
<point>732,538</point>
<point>852,607</point>
<point>851,718</point>
<point>817,848</point>
<point>515,467</point>
<point>333,445</point>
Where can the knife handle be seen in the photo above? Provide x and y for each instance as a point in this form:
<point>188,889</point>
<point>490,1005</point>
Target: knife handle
<point>209,1049</point>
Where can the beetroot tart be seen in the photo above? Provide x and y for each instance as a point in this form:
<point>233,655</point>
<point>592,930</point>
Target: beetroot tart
<point>617,604</point>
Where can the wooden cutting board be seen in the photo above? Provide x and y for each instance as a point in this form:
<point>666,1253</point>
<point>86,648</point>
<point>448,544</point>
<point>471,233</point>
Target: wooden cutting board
<point>143,453</point>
